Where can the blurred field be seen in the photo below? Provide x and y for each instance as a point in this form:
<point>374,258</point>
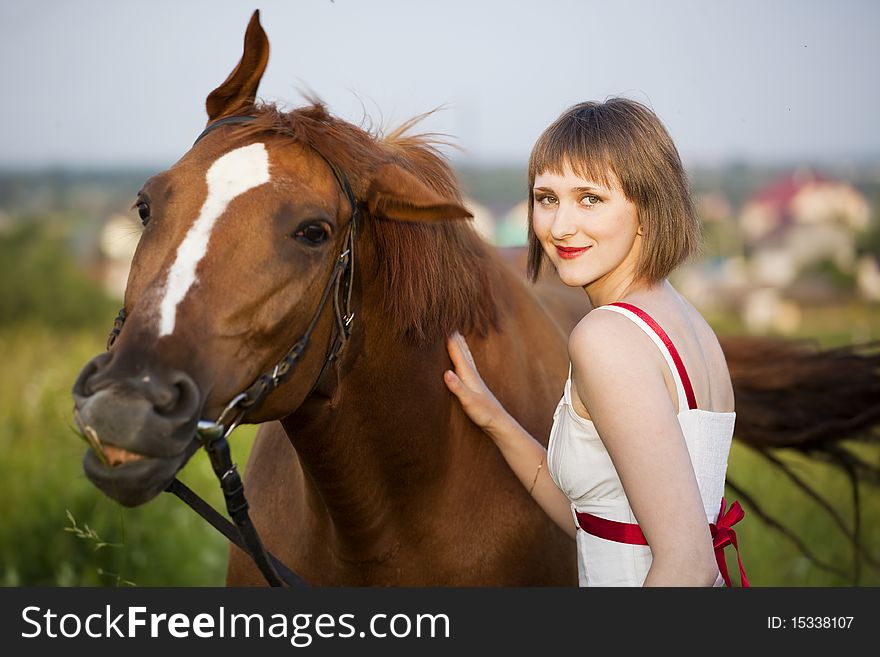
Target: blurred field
<point>53,318</point>
<point>165,543</point>
<point>162,543</point>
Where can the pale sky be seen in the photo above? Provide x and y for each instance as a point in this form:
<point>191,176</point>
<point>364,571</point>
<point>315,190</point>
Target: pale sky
<point>123,82</point>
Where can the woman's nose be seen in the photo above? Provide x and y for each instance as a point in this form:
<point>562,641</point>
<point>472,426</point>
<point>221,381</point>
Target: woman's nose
<point>563,225</point>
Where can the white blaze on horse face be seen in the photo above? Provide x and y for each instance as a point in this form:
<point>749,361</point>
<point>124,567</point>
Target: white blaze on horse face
<point>230,176</point>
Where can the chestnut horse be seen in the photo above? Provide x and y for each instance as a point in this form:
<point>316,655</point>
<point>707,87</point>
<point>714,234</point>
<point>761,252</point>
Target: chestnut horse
<point>365,470</point>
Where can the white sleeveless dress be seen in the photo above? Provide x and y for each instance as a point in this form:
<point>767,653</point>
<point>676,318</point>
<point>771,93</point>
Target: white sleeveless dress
<point>581,467</point>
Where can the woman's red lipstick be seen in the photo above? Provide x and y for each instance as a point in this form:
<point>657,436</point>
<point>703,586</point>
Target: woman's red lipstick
<point>569,252</point>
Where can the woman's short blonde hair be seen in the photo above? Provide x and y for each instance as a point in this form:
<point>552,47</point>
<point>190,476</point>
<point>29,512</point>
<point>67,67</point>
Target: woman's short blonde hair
<point>624,138</point>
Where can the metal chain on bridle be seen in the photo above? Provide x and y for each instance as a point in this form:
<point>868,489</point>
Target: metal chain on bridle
<point>213,434</point>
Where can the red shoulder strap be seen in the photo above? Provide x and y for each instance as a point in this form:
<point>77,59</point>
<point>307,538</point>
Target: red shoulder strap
<point>679,364</point>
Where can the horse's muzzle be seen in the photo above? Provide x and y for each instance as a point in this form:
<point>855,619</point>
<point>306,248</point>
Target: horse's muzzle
<point>140,426</point>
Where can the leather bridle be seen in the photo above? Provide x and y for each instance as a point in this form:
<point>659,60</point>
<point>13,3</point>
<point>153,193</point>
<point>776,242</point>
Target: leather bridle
<point>213,434</point>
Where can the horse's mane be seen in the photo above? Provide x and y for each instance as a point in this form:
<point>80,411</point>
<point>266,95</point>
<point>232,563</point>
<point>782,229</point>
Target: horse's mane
<point>436,274</point>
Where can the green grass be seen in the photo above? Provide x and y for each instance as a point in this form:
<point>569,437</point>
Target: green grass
<point>165,543</point>
<point>828,326</point>
<point>161,543</point>
<point>769,558</point>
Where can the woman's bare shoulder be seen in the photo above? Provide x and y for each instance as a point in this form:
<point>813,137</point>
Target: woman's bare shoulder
<point>612,358</point>
<point>594,330</point>
<point>607,337</point>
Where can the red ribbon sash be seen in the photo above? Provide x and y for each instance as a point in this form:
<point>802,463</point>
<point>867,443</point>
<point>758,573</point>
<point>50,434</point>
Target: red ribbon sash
<point>630,533</point>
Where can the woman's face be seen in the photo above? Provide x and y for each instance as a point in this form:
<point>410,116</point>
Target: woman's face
<point>587,229</point>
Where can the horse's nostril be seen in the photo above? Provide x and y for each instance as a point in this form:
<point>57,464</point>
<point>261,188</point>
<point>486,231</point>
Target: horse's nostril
<point>90,380</point>
<point>165,399</point>
<point>180,398</point>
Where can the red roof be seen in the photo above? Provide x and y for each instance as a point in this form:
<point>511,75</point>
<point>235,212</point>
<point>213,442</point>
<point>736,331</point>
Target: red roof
<point>779,193</point>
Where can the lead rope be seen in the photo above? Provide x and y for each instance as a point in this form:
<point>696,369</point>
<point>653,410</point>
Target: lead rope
<point>243,533</point>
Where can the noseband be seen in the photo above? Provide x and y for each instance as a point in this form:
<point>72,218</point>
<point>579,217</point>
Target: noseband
<point>213,434</point>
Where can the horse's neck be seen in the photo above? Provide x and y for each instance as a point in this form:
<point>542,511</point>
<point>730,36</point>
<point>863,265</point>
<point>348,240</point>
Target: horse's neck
<point>372,451</point>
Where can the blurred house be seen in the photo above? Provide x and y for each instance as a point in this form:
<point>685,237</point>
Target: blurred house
<point>800,235</point>
<point>713,207</point>
<point>722,236</point>
<point>799,221</point>
<point>117,243</point>
<point>868,277</point>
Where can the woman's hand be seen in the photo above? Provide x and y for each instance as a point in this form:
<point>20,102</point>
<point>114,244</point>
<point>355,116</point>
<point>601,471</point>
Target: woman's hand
<point>525,455</point>
<point>465,383</point>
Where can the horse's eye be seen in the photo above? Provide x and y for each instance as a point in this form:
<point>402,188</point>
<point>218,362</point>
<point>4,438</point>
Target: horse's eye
<point>312,234</point>
<point>143,209</point>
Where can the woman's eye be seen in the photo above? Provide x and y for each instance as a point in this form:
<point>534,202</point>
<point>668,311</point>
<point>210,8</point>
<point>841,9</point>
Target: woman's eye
<point>312,234</point>
<point>590,199</point>
<point>143,210</point>
<point>547,200</point>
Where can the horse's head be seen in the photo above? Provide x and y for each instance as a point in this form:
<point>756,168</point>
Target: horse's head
<point>242,237</point>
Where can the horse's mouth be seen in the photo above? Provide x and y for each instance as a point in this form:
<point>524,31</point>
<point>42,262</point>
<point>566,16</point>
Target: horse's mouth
<point>115,456</point>
<point>132,479</point>
<point>108,454</point>
<point>135,473</point>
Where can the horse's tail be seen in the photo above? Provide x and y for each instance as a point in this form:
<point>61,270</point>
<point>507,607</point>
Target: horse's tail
<point>793,395</point>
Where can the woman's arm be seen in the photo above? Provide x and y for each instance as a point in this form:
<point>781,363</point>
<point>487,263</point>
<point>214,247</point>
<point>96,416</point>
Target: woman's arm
<point>525,455</point>
<point>617,374</point>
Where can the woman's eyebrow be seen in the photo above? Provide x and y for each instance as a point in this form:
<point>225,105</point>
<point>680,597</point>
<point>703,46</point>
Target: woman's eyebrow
<point>576,190</point>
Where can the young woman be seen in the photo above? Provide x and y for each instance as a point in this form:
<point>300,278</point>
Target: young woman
<point>637,455</point>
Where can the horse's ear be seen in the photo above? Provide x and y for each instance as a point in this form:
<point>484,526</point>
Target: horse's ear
<point>240,89</point>
<point>395,193</point>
